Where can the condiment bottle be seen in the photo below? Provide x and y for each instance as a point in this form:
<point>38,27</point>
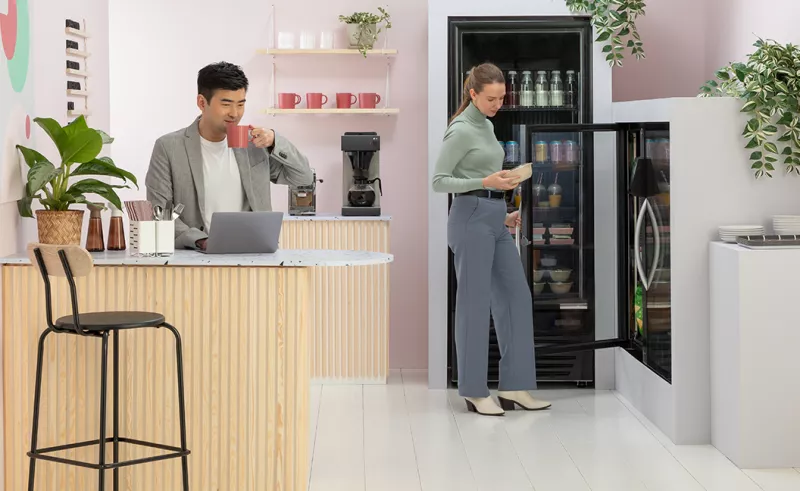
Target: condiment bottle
<point>94,237</point>
<point>116,232</point>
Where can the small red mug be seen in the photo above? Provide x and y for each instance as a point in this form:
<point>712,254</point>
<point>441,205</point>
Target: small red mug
<point>288,101</point>
<point>368,100</point>
<point>316,100</point>
<point>238,136</point>
<point>345,100</point>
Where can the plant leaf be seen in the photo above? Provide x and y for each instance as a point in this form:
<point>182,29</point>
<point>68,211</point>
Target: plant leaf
<point>93,186</point>
<point>31,156</point>
<point>40,174</point>
<point>755,156</point>
<point>104,166</point>
<point>82,146</point>
<point>24,206</point>
<point>752,143</point>
<point>757,165</point>
<point>770,147</point>
<point>53,129</point>
<point>106,139</point>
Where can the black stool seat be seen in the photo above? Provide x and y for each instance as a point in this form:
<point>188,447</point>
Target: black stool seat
<point>104,321</point>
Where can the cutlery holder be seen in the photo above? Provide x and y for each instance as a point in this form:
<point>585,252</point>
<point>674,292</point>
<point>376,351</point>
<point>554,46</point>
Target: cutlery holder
<point>152,238</point>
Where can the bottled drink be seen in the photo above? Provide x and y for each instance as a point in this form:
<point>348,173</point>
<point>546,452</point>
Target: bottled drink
<point>571,90</point>
<point>526,94</point>
<point>557,152</point>
<point>512,92</point>
<point>512,153</point>
<point>556,90</point>
<point>540,152</point>
<point>542,94</point>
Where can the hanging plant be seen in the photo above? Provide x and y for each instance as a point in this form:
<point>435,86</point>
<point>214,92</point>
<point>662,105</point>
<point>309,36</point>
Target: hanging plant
<point>769,83</point>
<point>615,22</point>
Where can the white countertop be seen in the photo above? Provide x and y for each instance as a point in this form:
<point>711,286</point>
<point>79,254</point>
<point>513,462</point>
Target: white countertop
<point>331,217</point>
<point>282,258</point>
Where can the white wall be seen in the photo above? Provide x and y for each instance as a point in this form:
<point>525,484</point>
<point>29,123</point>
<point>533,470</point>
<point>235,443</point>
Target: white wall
<point>438,12</point>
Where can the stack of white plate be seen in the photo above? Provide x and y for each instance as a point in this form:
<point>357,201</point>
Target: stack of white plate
<point>728,233</point>
<point>786,224</point>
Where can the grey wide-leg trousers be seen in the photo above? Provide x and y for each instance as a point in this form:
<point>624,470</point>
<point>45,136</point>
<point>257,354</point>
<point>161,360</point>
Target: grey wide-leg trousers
<point>490,278</point>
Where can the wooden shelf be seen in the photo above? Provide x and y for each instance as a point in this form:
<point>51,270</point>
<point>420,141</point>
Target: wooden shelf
<point>77,73</point>
<point>291,52</point>
<point>74,113</point>
<point>78,93</point>
<point>380,111</point>
<point>77,52</point>
<point>77,32</point>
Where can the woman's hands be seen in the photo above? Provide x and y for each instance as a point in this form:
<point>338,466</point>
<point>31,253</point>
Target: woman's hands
<point>499,181</point>
<point>513,220</point>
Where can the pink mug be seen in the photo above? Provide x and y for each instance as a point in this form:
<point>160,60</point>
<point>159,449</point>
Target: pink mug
<point>345,100</point>
<point>316,100</point>
<point>288,101</point>
<point>368,100</point>
<point>238,136</point>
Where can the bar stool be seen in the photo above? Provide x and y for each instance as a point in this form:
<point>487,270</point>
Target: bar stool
<point>74,262</point>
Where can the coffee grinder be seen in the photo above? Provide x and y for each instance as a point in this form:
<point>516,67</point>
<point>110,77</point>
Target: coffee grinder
<point>361,174</point>
<point>303,199</point>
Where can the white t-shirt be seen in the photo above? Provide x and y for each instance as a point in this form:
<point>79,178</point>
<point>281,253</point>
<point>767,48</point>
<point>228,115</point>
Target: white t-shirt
<point>223,183</point>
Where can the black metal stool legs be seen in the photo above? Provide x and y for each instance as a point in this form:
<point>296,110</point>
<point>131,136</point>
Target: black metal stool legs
<point>181,405</point>
<point>115,333</point>
<point>103,414</point>
<point>36,401</point>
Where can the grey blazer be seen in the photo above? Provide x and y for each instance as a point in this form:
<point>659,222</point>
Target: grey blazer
<point>176,174</point>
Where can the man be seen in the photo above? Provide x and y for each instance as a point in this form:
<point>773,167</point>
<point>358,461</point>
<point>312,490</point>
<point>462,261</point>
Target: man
<point>195,167</point>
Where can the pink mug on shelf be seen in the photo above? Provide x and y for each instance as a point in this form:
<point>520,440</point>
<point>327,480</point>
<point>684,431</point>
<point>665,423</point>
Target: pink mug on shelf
<point>288,101</point>
<point>345,100</point>
<point>238,136</point>
<point>315,100</point>
<point>368,100</point>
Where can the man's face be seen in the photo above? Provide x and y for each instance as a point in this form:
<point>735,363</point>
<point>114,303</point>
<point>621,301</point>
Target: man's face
<point>226,106</point>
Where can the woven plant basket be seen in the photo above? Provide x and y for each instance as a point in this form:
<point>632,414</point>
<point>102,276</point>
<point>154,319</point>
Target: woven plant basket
<point>60,227</point>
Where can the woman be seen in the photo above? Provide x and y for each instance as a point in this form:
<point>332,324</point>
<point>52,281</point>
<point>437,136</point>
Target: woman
<point>488,266</point>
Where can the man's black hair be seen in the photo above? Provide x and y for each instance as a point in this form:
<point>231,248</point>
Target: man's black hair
<point>220,76</point>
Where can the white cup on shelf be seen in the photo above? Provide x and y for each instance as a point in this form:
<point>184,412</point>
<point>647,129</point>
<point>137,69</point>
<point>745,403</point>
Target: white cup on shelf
<point>326,40</point>
<point>285,40</point>
<point>307,40</point>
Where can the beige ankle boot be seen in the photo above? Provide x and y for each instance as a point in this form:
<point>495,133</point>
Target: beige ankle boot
<point>483,405</point>
<point>508,399</point>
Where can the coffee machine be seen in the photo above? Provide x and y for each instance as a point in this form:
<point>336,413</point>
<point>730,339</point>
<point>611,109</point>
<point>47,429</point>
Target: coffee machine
<point>303,199</point>
<point>361,174</point>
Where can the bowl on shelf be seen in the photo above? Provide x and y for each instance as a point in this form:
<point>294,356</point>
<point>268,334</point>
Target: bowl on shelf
<point>549,262</point>
<point>538,274</point>
<point>538,288</point>
<point>560,288</point>
<point>560,275</point>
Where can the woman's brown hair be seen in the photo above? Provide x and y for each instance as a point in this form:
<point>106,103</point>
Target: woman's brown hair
<point>479,76</point>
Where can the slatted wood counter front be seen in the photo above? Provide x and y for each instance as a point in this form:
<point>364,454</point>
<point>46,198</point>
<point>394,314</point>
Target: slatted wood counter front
<point>245,331</point>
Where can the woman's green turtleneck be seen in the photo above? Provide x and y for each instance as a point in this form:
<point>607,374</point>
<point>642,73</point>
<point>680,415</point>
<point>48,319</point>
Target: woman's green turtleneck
<point>469,153</point>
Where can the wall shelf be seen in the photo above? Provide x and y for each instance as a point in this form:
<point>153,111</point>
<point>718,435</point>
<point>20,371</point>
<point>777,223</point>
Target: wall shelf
<point>74,113</point>
<point>292,52</point>
<point>77,52</point>
<point>77,73</point>
<point>378,111</point>
<point>78,93</point>
<point>77,32</point>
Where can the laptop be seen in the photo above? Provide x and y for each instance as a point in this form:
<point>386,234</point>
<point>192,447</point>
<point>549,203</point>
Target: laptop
<point>244,232</point>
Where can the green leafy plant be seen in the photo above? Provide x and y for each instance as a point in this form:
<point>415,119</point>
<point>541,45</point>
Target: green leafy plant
<point>78,147</point>
<point>769,84</point>
<point>368,28</point>
<point>615,22</point>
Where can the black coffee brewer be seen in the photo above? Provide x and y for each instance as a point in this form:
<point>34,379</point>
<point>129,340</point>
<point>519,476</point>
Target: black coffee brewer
<point>361,174</point>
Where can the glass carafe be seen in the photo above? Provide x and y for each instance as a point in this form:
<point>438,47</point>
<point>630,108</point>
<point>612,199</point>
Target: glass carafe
<point>571,90</point>
<point>556,89</point>
<point>526,93</point>
<point>361,194</point>
<point>512,92</point>
<point>542,93</point>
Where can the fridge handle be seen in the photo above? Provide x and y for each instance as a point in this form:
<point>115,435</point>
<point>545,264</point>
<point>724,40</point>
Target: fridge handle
<point>657,240</point>
<point>517,228</point>
<point>636,253</point>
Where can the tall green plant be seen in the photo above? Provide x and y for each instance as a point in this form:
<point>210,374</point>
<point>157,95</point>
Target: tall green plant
<point>615,22</point>
<point>769,84</point>
<point>78,147</point>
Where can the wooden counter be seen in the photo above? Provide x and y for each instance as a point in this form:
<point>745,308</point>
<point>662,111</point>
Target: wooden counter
<point>349,326</point>
<point>244,321</point>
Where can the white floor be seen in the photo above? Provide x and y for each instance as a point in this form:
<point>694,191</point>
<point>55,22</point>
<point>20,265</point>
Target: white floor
<point>404,437</point>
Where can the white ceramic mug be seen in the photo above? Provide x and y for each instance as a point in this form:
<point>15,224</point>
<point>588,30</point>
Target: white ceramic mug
<point>285,40</point>
<point>326,40</point>
<point>307,40</point>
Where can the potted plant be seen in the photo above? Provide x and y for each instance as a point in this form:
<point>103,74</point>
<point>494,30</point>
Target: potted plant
<point>78,147</point>
<point>363,30</point>
<point>768,83</point>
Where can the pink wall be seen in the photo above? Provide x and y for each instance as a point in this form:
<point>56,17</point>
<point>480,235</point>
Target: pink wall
<point>674,36</point>
<point>159,96</point>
